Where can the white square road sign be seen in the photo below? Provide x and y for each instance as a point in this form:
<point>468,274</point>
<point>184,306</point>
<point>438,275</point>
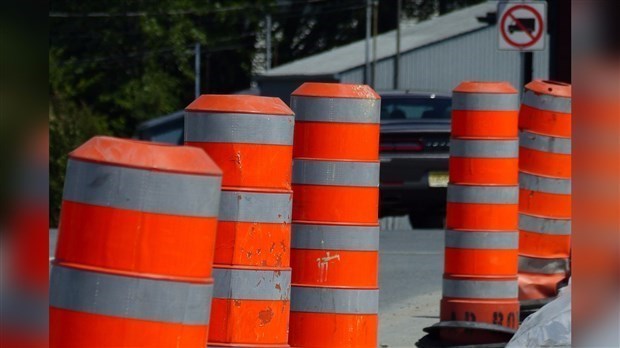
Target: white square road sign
<point>522,25</point>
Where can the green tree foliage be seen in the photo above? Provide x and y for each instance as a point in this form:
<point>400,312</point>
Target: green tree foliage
<point>114,64</point>
<point>133,60</point>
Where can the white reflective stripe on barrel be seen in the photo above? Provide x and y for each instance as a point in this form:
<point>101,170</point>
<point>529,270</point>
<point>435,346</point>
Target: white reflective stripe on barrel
<point>484,148</point>
<point>334,300</point>
<point>481,240</point>
<point>483,194</point>
<point>544,143</point>
<point>481,289</point>
<point>239,128</point>
<point>543,266</point>
<point>544,184</point>
<point>345,110</point>
<point>130,297</point>
<point>485,101</point>
<point>336,173</point>
<point>543,225</point>
<point>141,189</point>
<point>547,102</point>
<point>251,284</point>
<point>255,207</point>
<point>335,237</point>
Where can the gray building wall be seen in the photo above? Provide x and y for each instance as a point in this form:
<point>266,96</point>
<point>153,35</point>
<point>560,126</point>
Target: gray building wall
<point>443,65</point>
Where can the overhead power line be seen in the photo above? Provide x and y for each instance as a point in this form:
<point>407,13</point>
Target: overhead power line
<point>60,14</point>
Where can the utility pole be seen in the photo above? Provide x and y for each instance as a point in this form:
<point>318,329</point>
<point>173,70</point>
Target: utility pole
<point>399,5</point>
<point>528,68</point>
<point>367,53</point>
<point>197,70</point>
<point>267,42</point>
<point>375,29</point>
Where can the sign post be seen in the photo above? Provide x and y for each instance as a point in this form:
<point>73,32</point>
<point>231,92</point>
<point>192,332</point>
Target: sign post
<point>521,27</point>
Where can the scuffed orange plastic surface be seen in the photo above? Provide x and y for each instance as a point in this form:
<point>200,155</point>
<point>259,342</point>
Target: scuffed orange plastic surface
<point>345,268</point>
<point>499,312</point>
<point>146,155</point>
<point>547,245</point>
<point>251,165</point>
<point>469,216</point>
<point>249,321</point>
<point>253,244</point>
<point>545,163</point>
<point>554,88</point>
<point>333,330</point>
<point>357,205</point>
<point>79,330</point>
<point>239,103</point>
<point>539,286</point>
<point>480,262</point>
<point>132,241</point>
<point>484,124</point>
<point>336,90</point>
<point>499,171</point>
<point>550,123</point>
<point>336,141</point>
<point>485,87</point>
<point>545,204</point>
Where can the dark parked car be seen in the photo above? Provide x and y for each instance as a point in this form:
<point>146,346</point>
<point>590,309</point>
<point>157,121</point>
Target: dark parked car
<point>414,152</point>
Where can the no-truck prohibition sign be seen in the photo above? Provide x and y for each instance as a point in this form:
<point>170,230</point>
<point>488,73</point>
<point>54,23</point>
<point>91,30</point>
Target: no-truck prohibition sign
<point>522,25</point>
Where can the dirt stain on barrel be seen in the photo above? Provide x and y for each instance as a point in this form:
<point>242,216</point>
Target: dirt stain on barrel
<point>265,316</point>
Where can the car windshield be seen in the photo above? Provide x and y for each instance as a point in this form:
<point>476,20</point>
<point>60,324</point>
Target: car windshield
<point>415,108</point>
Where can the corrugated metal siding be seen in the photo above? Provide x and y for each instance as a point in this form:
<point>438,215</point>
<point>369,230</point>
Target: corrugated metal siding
<point>473,56</point>
<point>384,75</point>
<point>442,66</point>
<point>353,76</point>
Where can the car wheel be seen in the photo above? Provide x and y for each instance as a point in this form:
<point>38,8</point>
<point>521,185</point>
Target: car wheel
<point>427,221</point>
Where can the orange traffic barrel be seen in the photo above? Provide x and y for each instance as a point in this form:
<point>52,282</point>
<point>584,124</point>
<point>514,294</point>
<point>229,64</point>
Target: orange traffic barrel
<point>336,191</point>
<point>252,274</point>
<point>345,116</point>
<point>250,307</point>
<point>484,110</point>
<point>251,138</point>
<point>134,257</point>
<point>545,191</point>
<point>479,161</point>
<point>480,293</point>
<point>335,234</point>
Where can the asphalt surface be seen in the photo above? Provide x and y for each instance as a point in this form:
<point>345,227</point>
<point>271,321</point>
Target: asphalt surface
<point>411,263</point>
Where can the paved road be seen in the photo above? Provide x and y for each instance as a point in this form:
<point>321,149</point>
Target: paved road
<point>410,280</point>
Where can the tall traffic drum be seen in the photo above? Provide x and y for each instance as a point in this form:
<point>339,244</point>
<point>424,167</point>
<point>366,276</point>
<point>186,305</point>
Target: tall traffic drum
<point>134,257</point>
<point>335,237</point>
<point>251,138</point>
<point>545,191</point>
<point>480,303</point>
